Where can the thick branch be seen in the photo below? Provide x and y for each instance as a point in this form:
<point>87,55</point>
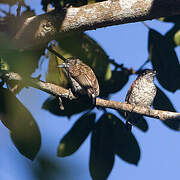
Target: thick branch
<point>39,30</point>
<point>62,92</point>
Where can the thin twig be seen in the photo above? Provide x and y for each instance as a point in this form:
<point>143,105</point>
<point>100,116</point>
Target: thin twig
<point>142,66</point>
<point>57,54</point>
<point>121,66</point>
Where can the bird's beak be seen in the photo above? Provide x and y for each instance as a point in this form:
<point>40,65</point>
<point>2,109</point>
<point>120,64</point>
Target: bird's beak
<point>63,65</point>
<point>154,72</point>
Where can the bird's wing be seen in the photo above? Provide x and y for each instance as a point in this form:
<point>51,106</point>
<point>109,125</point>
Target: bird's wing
<point>130,90</point>
<point>129,93</point>
<point>86,78</point>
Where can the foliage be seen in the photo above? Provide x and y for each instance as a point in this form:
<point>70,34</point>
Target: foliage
<point>108,134</point>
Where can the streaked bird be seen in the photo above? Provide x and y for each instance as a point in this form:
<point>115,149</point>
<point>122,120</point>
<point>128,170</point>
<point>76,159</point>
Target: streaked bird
<point>141,93</point>
<point>82,78</point>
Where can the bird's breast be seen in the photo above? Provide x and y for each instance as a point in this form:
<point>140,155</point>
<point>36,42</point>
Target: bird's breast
<point>143,93</point>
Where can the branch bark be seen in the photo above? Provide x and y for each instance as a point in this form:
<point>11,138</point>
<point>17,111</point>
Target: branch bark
<point>39,30</point>
<point>62,92</point>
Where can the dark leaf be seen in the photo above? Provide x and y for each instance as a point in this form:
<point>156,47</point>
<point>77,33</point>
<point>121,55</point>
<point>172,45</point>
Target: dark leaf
<point>164,61</point>
<point>71,142</point>
<point>141,122</point>
<point>102,156</point>
<point>70,106</point>
<point>173,35</point>
<point>58,4</point>
<point>162,102</point>
<point>115,84</point>
<point>24,131</point>
<point>125,144</point>
<point>174,19</point>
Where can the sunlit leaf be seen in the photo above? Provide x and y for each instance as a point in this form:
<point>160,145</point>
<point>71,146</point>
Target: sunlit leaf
<point>162,102</point>
<point>125,144</point>
<point>141,122</point>
<point>56,75</point>
<point>177,38</point>
<point>70,106</point>
<point>102,155</point>
<point>71,142</point>
<point>24,131</point>
<point>3,65</point>
<point>164,61</point>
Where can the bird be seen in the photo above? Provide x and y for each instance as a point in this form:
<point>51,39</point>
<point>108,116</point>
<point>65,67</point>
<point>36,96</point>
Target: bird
<point>82,78</point>
<point>141,93</point>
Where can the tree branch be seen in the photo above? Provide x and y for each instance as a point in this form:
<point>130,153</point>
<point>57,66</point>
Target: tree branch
<point>62,92</point>
<point>39,30</point>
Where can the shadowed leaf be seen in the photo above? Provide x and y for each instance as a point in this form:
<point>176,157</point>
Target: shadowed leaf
<point>141,122</point>
<point>173,35</point>
<point>125,144</point>
<point>102,156</point>
<point>164,61</point>
<point>174,19</point>
<point>24,131</point>
<point>115,84</point>
<point>71,142</point>
<point>70,106</point>
<point>162,102</point>
<point>22,62</point>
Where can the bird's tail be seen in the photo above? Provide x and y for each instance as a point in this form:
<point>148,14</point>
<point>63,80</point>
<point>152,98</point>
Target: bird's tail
<point>131,120</point>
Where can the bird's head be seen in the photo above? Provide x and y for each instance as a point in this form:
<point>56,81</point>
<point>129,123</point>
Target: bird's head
<point>69,62</point>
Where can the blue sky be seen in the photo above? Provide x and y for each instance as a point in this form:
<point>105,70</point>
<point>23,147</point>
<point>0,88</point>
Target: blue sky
<point>160,145</point>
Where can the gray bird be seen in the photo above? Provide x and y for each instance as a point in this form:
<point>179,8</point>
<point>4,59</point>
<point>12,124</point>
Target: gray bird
<point>142,93</point>
<point>82,78</point>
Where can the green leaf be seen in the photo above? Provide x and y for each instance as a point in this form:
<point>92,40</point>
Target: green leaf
<point>71,142</point>
<point>56,75</point>
<point>71,107</point>
<point>102,155</point>
<point>141,121</point>
<point>125,144</point>
<point>164,61</point>
<point>177,38</point>
<point>162,102</point>
<point>23,62</point>
<point>24,131</point>
<point>82,46</point>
